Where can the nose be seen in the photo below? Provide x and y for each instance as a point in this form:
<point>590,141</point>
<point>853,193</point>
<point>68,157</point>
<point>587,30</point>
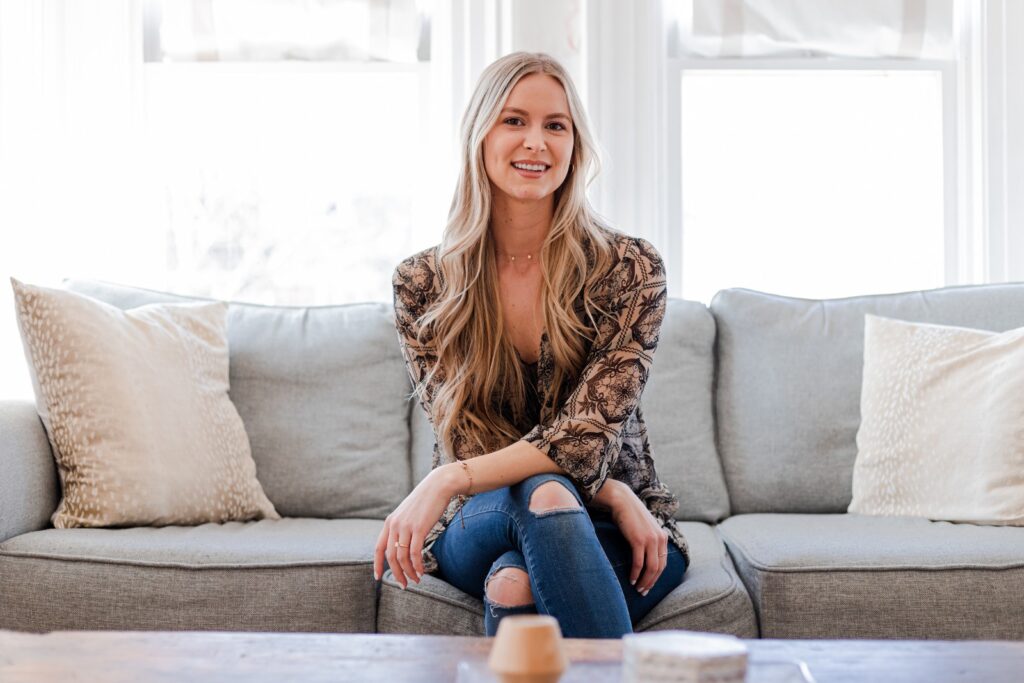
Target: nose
<point>534,140</point>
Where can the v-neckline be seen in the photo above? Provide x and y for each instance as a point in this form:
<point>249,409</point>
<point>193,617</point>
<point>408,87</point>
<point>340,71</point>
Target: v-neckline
<point>543,338</point>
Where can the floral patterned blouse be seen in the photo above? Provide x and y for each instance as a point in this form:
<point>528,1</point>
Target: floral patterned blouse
<point>598,431</point>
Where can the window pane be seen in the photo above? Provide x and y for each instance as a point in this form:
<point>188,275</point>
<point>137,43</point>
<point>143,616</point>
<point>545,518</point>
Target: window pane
<point>813,183</point>
<point>286,186</point>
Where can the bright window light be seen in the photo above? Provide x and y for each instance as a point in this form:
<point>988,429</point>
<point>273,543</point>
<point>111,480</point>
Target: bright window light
<point>287,186</point>
<point>812,183</point>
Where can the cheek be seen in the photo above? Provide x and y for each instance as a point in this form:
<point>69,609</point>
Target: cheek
<point>488,154</point>
<point>493,154</point>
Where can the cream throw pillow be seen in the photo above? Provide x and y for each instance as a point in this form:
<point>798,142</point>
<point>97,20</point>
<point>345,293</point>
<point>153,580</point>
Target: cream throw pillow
<point>942,423</point>
<point>135,404</point>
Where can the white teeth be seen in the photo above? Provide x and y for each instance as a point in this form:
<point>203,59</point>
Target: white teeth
<point>530,167</point>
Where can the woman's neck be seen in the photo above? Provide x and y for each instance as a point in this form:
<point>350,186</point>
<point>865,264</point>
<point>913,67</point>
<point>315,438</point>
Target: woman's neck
<point>520,227</point>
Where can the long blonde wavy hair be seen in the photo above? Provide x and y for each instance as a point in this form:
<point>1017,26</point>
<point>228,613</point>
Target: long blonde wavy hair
<point>477,370</point>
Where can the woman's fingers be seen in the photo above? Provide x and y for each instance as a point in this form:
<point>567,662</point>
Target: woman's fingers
<point>651,571</point>
<point>404,552</point>
<point>392,555</point>
<point>662,555</point>
<point>638,564</point>
<point>656,559</point>
<point>416,553</point>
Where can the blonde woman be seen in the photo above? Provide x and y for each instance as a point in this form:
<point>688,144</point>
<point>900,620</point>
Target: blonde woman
<point>528,334</point>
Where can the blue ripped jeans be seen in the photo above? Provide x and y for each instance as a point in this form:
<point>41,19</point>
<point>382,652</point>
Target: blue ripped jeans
<point>577,560</point>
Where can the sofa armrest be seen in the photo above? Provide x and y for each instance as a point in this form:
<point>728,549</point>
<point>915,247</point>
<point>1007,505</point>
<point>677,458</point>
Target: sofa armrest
<point>29,484</point>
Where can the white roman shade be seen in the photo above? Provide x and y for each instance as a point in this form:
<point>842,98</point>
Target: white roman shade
<point>914,29</point>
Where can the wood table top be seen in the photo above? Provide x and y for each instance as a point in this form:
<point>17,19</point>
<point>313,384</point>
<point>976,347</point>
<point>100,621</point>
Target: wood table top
<point>200,656</point>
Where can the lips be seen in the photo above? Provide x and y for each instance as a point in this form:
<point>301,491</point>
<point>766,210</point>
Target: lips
<point>526,173</point>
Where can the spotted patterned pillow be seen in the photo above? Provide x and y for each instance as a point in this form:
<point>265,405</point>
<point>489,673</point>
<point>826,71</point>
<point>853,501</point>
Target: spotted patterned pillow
<point>942,423</point>
<point>135,404</point>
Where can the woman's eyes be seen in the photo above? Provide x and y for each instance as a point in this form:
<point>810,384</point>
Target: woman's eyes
<point>516,121</point>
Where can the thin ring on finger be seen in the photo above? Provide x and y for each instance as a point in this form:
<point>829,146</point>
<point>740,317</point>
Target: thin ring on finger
<point>405,561</point>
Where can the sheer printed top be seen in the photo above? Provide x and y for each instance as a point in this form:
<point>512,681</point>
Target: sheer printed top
<point>598,431</point>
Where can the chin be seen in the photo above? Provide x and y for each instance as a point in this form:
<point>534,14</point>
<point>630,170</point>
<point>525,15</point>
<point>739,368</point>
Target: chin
<point>532,193</point>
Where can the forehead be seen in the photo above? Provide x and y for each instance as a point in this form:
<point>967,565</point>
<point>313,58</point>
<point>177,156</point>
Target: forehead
<point>540,95</point>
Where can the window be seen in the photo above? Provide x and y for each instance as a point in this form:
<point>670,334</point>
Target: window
<point>812,154</point>
<point>812,182</point>
<point>285,139</point>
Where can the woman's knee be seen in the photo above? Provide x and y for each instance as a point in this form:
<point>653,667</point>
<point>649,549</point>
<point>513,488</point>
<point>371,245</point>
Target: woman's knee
<point>552,495</point>
<point>509,587</point>
<point>542,493</point>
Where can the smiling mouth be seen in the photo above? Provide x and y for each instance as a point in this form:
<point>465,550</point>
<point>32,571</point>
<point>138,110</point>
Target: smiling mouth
<point>531,170</point>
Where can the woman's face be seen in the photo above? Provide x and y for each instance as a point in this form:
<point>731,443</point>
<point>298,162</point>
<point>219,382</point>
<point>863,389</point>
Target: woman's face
<point>528,150</point>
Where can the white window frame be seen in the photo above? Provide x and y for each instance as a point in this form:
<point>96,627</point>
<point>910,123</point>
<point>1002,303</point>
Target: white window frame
<point>675,68</point>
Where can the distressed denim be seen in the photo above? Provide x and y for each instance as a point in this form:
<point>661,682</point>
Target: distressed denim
<point>577,560</point>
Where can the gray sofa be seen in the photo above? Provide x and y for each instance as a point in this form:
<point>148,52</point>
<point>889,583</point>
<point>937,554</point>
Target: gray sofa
<point>752,407</point>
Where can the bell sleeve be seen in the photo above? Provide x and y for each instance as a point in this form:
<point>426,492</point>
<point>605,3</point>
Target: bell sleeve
<point>585,436</point>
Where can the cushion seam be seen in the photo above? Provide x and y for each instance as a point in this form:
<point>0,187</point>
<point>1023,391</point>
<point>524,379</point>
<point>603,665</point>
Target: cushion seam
<point>856,568</point>
<point>179,565</point>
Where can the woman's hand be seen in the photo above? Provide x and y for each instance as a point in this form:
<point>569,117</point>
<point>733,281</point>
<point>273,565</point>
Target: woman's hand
<point>410,523</point>
<point>644,533</point>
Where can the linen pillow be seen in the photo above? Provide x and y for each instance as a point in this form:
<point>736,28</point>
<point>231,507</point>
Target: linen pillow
<point>942,423</point>
<point>135,405</point>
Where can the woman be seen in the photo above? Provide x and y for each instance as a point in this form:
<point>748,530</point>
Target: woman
<point>528,334</point>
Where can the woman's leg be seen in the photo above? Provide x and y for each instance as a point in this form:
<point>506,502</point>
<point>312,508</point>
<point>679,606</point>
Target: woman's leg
<point>569,572</point>
<point>509,567</point>
<point>620,555</point>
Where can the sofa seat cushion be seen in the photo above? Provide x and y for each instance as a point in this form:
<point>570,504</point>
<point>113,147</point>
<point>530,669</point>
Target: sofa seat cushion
<point>855,576</point>
<point>711,598</point>
<point>272,575</point>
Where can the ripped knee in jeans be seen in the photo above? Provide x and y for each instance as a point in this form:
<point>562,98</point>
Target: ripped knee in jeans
<point>552,496</point>
<point>509,587</point>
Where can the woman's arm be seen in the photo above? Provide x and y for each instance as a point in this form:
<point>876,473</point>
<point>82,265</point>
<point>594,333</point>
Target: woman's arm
<point>511,465</point>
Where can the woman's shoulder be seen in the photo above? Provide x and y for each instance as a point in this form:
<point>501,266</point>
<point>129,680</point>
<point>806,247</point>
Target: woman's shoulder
<point>634,259</point>
<point>418,271</point>
<point>423,260</point>
<point>415,279</point>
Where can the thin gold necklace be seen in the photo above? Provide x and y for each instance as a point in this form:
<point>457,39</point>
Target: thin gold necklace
<point>529,257</point>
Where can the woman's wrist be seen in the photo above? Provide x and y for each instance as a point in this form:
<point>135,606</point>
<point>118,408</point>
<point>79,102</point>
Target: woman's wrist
<point>454,479</point>
<point>611,494</point>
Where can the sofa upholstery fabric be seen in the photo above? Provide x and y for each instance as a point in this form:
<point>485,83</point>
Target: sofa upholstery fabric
<point>29,486</point>
<point>856,576</point>
<point>272,575</point>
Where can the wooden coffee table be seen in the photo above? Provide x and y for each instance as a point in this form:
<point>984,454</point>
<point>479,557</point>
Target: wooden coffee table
<point>151,656</point>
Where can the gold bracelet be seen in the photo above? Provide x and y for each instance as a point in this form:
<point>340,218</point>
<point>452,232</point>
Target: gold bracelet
<point>468,474</point>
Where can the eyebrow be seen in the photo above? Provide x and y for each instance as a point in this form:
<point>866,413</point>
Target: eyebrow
<point>526,113</point>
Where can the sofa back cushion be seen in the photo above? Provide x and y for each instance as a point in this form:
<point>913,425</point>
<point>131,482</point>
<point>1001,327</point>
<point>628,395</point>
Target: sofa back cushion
<point>321,393</point>
<point>789,381</point>
<point>677,408</point>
